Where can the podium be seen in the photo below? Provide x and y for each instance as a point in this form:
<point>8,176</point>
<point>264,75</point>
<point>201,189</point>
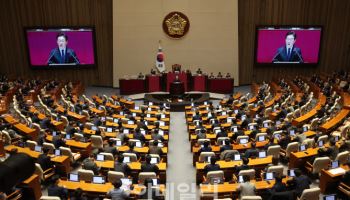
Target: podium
<point>200,83</point>
<point>171,78</point>
<point>153,82</point>
<point>177,88</point>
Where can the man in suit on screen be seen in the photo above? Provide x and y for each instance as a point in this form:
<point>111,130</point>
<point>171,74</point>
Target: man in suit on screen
<point>289,52</point>
<point>62,54</point>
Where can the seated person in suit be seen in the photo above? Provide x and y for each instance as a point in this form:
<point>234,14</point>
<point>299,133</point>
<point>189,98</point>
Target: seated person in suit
<point>246,188</point>
<point>119,166</point>
<point>279,186</point>
<point>228,75</point>
<point>155,149</point>
<point>202,134</point>
<point>89,164</point>
<point>44,160</point>
<point>35,118</point>
<point>139,136</point>
<point>148,166</point>
<point>302,182</point>
<point>156,136</point>
<point>54,190</point>
<point>244,166</point>
<point>140,76</point>
<point>211,75</point>
<point>111,148</point>
<point>206,147</point>
<point>252,152</point>
<point>199,71</point>
<point>227,146</point>
<point>219,75</point>
<point>131,150</point>
<point>58,140</point>
<point>196,116</point>
<point>212,166</point>
<point>222,133</point>
<point>117,192</point>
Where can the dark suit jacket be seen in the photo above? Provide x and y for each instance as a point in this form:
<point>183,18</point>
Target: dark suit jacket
<point>45,162</point>
<point>122,167</point>
<point>54,190</point>
<point>56,58</point>
<point>210,167</point>
<point>149,168</point>
<point>302,182</point>
<point>281,55</point>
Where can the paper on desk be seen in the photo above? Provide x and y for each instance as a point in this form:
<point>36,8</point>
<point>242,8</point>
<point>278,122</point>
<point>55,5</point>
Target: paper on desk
<point>337,171</point>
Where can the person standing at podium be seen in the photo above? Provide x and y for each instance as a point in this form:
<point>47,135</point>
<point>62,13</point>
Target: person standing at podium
<point>62,54</point>
<point>289,52</point>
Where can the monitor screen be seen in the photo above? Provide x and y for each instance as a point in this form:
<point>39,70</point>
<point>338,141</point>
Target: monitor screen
<point>235,111</point>
<point>118,143</point>
<point>57,152</point>
<point>154,160</point>
<point>335,164</point>
<point>266,125</point>
<point>262,154</point>
<point>37,148</point>
<point>292,132</point>
<point>126,160</point>
<point>229,120</point>
<point>50,47</point>
<point>73,177</point>
<point>68,137</point>
<point>54,133</point>
<point>160,132</point>
<point>126,131</point>
<point>154,181</point>
<point>98,180</point>
<point>291,173</point>
<point>143,132</point>
<point>161,123</point>
<point>94,128</point>
<point>330,197</point>
<point>138,144</point>
<point>288,45</point>
<point>240,179</point>
<point>302,147</point>
<point>252,127</point>
<point>130,122</point>
<point>320,143</point>
<point>208,159</point>
<point>100,157</point>
<point>109,129</point>
<point>261,138</point>
<point>115,120</point>
<point>235,129</point>
<point>243,141</point>
<point>305,128</point>
<point>269,176</point>
<point>237,157</point>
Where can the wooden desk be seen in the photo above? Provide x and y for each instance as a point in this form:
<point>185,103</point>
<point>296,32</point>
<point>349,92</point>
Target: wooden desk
<point>143,150</point>
<point>33,182</point>
<point>97,111</point>
<point>331,124</point>
<point>329,180</point>
<point>298,159</point>
<point>84,148</point>
<point>61,161</point>
<point>100,188</point>
<point>23,128</point>
<point>10,119</point>
<point>306,117</point>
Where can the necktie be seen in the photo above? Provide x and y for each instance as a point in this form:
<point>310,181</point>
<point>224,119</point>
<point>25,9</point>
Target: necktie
<point>288,55</point>
<point>62,56</point>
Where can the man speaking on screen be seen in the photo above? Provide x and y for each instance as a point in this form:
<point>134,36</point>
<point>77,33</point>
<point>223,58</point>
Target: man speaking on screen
<point>289,52</point>
<point>62,54</point>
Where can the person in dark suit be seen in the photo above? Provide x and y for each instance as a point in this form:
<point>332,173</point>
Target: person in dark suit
<point>89,164</point>
<point>205,148</point>
<point>132,150</point>
<point>244,166</point>
<point>302,182</point>
<point>227,146</point>
<point>119,166</point>
<point>289,52</point>
<point>111,148</point>
<point>54,190</point>
<point>44,160</point>
<point>58,141</point>
<point>252,152</point>
<point>222,133</point>
<point>155,149</point>
<point>279,186</point>
<point>212,166</point>
<point>148,166</point>
<point>62,54</point>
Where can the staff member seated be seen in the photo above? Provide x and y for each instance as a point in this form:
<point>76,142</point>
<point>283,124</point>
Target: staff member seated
<point>148,166</point>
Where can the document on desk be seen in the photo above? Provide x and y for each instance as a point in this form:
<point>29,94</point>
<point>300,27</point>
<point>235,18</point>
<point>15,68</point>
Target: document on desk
<point>337,171</point>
